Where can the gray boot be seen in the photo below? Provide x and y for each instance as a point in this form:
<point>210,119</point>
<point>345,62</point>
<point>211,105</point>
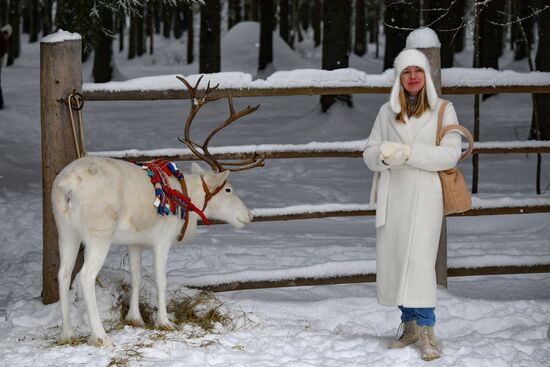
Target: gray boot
<point>409,336</point>
<point>428,344</point>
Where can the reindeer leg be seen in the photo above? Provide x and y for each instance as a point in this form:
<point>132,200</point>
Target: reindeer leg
<point>69,244</point>
<point>96,252</point>
<point>161,256</point>
<point>134,316</point>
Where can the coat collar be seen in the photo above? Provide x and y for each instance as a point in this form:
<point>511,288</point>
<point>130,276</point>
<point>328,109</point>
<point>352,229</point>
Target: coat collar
<point>402,129</point>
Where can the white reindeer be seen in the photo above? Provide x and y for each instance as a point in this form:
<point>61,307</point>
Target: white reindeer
<point>99,201</point>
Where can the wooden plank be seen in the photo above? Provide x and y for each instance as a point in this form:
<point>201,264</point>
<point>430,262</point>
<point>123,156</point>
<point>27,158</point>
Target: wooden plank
<point>60,73</point>
<point>370,278</point>
<point>497,89</point>
<point>171,94</point>
<point>362,213</point>
<point>298,154</point>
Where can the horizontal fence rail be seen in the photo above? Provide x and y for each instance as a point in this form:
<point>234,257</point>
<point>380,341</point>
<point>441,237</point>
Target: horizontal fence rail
<point>368,278</point>
<point>310,82</point>
<point>480,206</point>
<point>170,94</point>
<point>345,149</point>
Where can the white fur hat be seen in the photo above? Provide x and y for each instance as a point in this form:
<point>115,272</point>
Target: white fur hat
<point>406,58</point>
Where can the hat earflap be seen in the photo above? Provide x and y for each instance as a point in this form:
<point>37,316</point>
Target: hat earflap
<point>394,96</point>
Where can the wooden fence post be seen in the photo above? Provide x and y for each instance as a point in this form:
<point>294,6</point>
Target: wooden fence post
<point>434,57</point>
<point>60,74</point>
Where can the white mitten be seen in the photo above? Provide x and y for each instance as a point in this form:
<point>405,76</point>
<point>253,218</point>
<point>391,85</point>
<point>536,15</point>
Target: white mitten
<point>388,148</point>
<point>397,159</point>
<point>394,154</point>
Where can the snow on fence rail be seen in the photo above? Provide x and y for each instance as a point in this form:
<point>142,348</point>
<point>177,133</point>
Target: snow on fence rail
<point>351,149</point>
<point>316,82</point>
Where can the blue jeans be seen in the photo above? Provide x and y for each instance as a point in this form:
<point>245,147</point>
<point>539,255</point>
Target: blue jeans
<point>423,316</point>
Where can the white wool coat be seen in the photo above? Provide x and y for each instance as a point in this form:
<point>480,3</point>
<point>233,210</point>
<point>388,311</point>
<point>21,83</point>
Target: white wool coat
<point>409,204</point>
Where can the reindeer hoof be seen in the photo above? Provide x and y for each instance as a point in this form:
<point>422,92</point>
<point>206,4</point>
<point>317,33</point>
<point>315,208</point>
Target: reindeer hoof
<point>71,340</point>
<point>101,341</point>
<point>166,325</point>
<point>134,322</point>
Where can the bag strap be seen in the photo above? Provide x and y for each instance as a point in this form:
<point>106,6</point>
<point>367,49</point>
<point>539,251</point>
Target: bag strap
<point>441,131</point>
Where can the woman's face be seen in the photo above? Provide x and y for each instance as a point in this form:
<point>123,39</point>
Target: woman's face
<point>412,79</point>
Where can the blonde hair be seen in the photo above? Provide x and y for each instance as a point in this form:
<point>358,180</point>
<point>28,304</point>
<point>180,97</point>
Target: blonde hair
<point>420,106</point>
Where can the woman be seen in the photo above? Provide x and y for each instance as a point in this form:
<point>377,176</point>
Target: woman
<point>406,189</point>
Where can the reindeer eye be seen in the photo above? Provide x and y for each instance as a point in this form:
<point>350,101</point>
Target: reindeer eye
<point>227,189</point>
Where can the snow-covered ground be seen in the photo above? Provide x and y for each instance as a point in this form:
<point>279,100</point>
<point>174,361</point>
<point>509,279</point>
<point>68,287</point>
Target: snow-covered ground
<point>482,321</point>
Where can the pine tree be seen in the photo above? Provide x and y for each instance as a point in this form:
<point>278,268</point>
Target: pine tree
<point>35,21</point>
<point>336,43</point>
<point>190,34</point>
<point>316,22</point>
<point>210,58</point>
<point>360,47</point>
<point>284,21</point>
<point>266,35</point>
<point>103,56</point>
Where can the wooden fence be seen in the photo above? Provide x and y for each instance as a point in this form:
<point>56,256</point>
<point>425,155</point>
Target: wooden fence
<point>60,75</point>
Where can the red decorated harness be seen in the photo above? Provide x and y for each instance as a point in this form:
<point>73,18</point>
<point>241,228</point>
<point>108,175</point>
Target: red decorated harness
<point>169,201</point>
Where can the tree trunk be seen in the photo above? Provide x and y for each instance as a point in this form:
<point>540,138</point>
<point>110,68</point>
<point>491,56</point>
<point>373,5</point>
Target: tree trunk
<point>190,34</point>
<point>305,11</point>
<point>35,21</point>
<point>15,42</point>
<point>490,40</point>
<point>210,58</point>
<point>266,35</point>
<point>372,22</point>
<point>398,15</point>
<point>523,9</point>
<point>542,63</point>
<point>140,29</point>
<point>295,21</point>
<point>132,37</point>
<point>167,17</point>
<point>284,26</point>
<point>360,47</point>
<point>336,43</point>
<point>4,11</point>
<point>103,56</point>
<point>234,13</point>
<point>121,26</point>
<point>254,10</point>
<point>178,20</point>
<point>374,11</point>
<point>438,18</point>
<point>316,22</point>
<point>47,19</point>
<point>25,17</point>
<point>150,31</point>
<point>458,21</point>
<point>158,17</point>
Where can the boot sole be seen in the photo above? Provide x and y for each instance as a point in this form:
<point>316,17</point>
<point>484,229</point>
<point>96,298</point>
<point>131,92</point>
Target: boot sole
<point>430,358</point>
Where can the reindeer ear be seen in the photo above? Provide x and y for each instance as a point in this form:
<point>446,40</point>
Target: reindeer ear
<point>215,179</point>
<point>196,169</point>
<point>223,175</point>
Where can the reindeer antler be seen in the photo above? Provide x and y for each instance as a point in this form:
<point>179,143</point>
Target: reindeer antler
<point>205,155</point>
